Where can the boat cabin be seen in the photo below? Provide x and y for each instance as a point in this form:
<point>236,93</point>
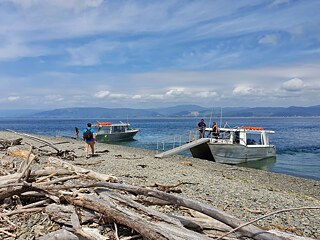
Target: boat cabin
<point>113,127</point>
<point>243,136</point>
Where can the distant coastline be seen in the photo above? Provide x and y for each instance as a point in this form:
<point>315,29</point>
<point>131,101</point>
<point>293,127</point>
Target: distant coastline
<point>180,111</point>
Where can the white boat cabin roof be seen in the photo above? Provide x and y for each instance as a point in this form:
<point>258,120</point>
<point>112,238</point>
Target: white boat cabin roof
<point>110,124</point>
<point>247,129</point>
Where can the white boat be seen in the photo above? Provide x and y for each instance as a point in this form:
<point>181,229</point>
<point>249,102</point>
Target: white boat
<point>236,145</point>
<point>114,132</point>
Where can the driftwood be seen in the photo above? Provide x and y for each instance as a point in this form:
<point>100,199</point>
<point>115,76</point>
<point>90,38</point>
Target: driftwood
<point>89,173</point>
<point>62,213</point>
<point>66,154</point>
<point>24,154</point>
<point>61,234</point>
<point>4,144</point>
<point>249,231</point>
<point>85,197</point>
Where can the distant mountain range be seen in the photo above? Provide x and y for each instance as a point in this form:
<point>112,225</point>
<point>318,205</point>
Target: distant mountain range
<point>176,111</point>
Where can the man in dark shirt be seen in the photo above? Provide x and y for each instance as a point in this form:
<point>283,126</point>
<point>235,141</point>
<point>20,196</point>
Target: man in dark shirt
<point>201,127</point>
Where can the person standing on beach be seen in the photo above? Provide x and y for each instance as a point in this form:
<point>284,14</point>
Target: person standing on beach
<point>77,132</point>
<point>201,127</point>
<point>89,137</point>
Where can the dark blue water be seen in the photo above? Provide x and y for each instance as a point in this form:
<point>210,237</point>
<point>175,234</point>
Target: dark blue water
<point>297,139</point>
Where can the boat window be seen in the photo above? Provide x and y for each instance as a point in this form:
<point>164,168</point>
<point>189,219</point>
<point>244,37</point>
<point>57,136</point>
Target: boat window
<point>253,139</point>
<point>237,137</point>
<point>116,129</point>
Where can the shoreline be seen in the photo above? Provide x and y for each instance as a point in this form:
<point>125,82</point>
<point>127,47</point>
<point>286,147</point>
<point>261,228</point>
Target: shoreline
<point>243,192</point>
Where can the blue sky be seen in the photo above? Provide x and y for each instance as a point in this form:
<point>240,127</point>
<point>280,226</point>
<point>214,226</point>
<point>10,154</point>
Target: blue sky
<point>143,54</point>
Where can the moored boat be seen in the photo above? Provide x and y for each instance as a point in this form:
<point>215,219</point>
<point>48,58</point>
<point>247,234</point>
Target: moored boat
<point>236,145</point>
<point>114,132</point>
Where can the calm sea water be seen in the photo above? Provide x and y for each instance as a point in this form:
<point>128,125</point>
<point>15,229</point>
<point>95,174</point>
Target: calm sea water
<point>297,140</point>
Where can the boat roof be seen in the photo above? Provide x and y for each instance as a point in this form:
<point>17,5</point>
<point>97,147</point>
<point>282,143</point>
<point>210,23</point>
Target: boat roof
<point>110,124</point>
<point>249,129</point>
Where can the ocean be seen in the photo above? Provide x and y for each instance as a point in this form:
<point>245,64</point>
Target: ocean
<point>297,140</point>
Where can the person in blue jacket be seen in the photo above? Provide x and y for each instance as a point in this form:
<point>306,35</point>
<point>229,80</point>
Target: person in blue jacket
<point>89,137</point>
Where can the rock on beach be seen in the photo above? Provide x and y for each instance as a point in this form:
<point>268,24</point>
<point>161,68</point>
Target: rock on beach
<point>242,192</point>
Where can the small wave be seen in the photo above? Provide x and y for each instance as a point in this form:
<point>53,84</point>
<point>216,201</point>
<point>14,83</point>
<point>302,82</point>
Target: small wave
<point>299,149</point>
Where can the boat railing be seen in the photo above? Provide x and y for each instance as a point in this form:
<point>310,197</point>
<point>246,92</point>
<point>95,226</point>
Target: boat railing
<point>164,144</point>
<point>173,141</point>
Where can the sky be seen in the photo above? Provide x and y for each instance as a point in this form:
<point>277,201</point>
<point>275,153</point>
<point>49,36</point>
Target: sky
<point>149,53</point>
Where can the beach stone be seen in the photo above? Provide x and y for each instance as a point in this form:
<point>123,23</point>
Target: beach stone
<point>238,191</point>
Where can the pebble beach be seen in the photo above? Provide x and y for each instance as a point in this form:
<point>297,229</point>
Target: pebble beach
<point>242,192</point>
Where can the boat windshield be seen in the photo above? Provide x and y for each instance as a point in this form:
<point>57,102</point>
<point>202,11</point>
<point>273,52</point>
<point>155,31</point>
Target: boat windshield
<point>118,129</point>
<point>253,139</point>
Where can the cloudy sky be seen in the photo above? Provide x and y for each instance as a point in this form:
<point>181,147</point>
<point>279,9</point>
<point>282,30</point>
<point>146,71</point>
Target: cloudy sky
<point>142,53</point>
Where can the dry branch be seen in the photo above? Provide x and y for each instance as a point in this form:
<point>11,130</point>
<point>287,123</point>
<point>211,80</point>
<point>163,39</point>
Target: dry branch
<point>89,173</point>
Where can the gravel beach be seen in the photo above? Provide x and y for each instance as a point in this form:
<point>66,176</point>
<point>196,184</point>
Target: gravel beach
<point>242,192</point>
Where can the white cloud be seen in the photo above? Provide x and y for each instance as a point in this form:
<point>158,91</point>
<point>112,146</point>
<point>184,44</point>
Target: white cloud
<point>138,96</point>
<point>70,4</point>
<point>13,98</point>
<point>55,98</point>
<point>175,92</point>
<point>102,94</point>
<point>279,2</point>
<point>206,94</point>
<point>118,95</point>
<point>293,85</point>
<point>15,50</point>
<point>268,39</point>
<point>243,91</point>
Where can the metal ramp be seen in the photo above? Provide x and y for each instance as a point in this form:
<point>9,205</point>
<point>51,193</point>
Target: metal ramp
<point>182,147</point>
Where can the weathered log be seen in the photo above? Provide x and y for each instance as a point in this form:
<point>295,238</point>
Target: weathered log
<point>149,230</point>
<point>21,211</point>
<point>87,233</point>
<point>16,152</point>
<point>67,154</point>
<point>8,143</point>
<point>45,172</point>
<point>112,213</point>
<point>61,234</point>
<point>62,214</point>
<point>89,173</point>
<point>13,191</point>
<point>152,200</point>
<point>36,204</point>
<point>60,180</point>
<point>35,139</point>
<point>7,179</point>
<point>249,231</point>
<point>129,202</point>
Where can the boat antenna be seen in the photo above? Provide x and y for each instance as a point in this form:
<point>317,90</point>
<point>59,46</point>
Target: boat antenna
<point>211,116</point>
<point>220,116</point>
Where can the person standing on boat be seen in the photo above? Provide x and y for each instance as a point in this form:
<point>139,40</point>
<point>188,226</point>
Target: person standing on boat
<point>201,127</point>
<point>89,137</point>
<point>215,130</point>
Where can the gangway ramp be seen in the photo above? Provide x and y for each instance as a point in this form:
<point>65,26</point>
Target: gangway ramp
<point>182,147</point>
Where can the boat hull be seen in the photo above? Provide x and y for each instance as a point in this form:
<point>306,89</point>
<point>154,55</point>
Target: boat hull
<point>116,137</point>
<point>232,153</point>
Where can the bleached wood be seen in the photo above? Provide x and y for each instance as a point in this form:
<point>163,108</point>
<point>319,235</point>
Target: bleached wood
<point>89,173</point>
